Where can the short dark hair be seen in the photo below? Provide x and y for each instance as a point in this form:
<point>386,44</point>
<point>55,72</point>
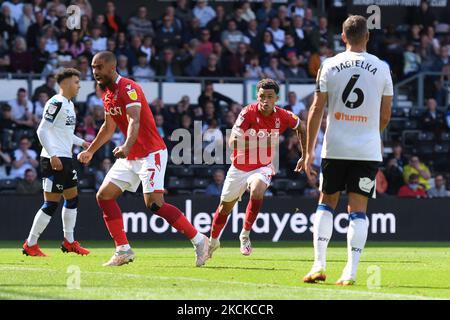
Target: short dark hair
<point>106,56</point>
<point>355,28</point>
<point>268,83</point>
<point>66,73</point>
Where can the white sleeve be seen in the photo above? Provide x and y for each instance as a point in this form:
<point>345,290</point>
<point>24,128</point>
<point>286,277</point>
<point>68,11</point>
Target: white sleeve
<point>388,87</point>
<point>44,135</point>
<point>77,141</point>
<point>322,80</point>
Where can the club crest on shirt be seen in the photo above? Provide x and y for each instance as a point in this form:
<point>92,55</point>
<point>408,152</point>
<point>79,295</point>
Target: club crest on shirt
<point>277,123</point>
<point>52,109</point>
<point>132,94</point>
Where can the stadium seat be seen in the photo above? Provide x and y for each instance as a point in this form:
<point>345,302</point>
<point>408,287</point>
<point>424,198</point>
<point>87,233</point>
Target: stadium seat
<point>410,137</point>
<point>176,183</point>
<point>296,185</point>
<point>411,124</point>
<point>441,148</point>
<point>397,113</point>
<point>416,113</point>
<point>425,136</point>
<point>8,185</point>
<point>207,171</point>
<point>280,186</point>
<point>181,171</point>
<point>200,183</point>
<point>445,136</point>
<point>282,173</point>
<point>87,183</point>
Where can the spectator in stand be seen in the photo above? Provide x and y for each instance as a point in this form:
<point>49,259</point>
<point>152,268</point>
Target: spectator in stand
<point>122,66</point>
<point>412,61</point>
<point>85,7</point>
<point>38,107</point>
<point>273,71</point>
<point>35,30</point>
<point>15,7</point>
<point>442,86</point>
<point>316,59</point>
<point>192,31</point>
<point>147,48</point>
<point>7,123</point>
<point>29,184</point>
<point>40,56</point>
<point>94,99</point>
<point>253,70</point>
<point>265,13</point>
<point>82,65</point>
<point>211,69</point>
<point>394,176</point>
<point>8,24</point>
<point>63,55</point>
<point>21,109</point>
<point>215,188</point>
<point>321,34</point>
<point>184,12</point>
<point>113,21</point>
<point>418,168</point>
<point>89,128</point>
<point>209,94</point>
<point>288,50</point>
<point>141,25</point>
<point>159,121</point>
<point>283,15</point>
<point>268,48</point>
<point>168,36</point>
<point>252,35</point>
<point>26,19</point>
<point>277,33</point>
<point>439,190</point>
<point>240,21</point>
<point>23,158</point>
<point>51,41</point>
<point>300,36</point>
<point>433,120</point>
<point>247,12</point>
<point>100,174</point>
<point>205,47</point>
<point>48,87</point>
<point>143,72</point>
<point>5,163</point>
<point>169,65</point>
<point>20,57</point>
<point>413,189</point>
<point>397,155</point>
<point>98,40</point>
<point>295,105</point>
<point>86,25</point>
<point>231,37</point>
<point>294,69</point>
<point>88,51</point>
<point>203,12</point>
<point>296,8</point>
<point>218,24</point>
<point>238,60</point>
<point>423,15</point>
<point>76,45</point>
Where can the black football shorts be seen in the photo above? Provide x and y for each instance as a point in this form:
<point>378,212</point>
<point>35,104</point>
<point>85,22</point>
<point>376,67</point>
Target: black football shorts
<point>57,181</point>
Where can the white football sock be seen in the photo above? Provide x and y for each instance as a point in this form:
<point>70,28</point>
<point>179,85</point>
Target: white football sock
<point>124,247</point>
<point>41,220</point>
<point>244,234</point>
<point>69,217</point>
<point>356,239</point>
<point>323,229</point>
<point>197,239</point>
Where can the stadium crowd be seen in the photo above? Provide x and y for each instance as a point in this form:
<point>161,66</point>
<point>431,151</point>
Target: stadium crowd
<point>201,39</point>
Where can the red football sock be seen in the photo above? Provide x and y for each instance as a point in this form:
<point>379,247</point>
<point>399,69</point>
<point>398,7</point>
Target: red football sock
<point>253,207</point>
<point>218,223</point>
<point>176,219</point>
<point>113,220</point>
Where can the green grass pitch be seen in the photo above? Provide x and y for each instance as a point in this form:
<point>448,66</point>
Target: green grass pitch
<point>165,270</point>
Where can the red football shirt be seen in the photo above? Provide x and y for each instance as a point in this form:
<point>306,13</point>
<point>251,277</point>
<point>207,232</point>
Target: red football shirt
<point>256,127</point>
<point>127,93</point>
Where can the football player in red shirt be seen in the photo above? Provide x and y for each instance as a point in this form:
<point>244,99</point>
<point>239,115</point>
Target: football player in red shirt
<point>253,139</point>
<point>142,158</point>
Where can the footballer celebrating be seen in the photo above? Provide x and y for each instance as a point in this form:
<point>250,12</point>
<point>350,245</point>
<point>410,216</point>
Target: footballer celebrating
<point>142,158</point>
<point>56,135</point>
<point>252,166</point>
<point>358,89</point>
